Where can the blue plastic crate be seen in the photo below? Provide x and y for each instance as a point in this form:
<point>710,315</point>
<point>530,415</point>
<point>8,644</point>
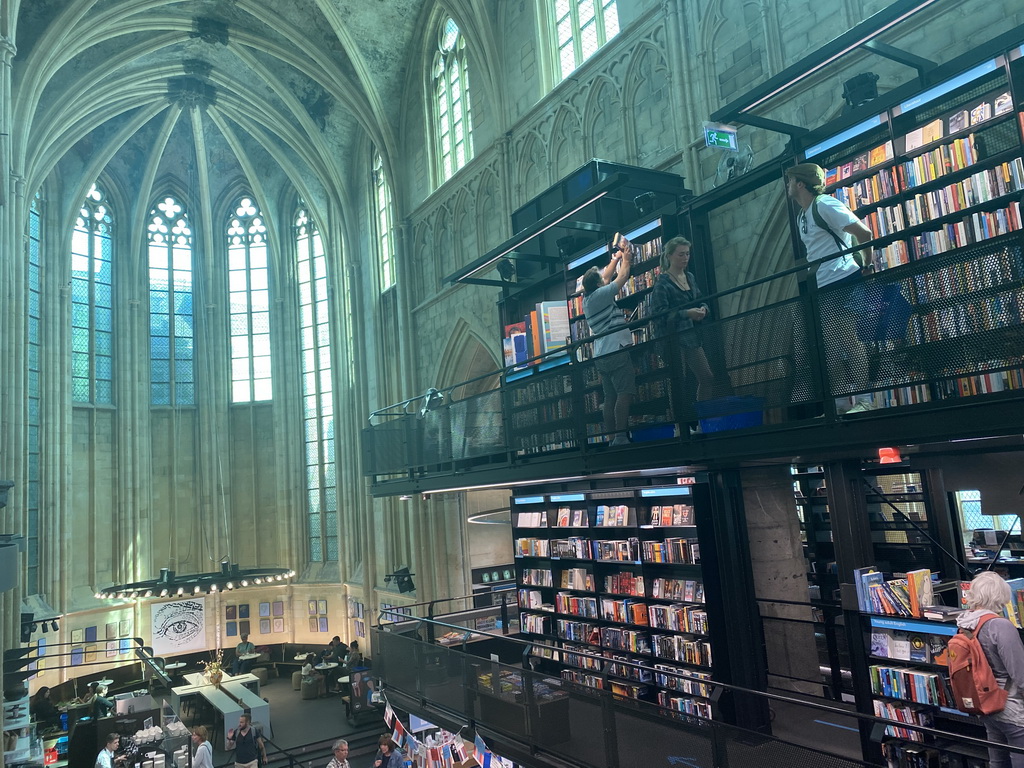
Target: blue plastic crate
<point>725,413</point>
<point>653,432</point>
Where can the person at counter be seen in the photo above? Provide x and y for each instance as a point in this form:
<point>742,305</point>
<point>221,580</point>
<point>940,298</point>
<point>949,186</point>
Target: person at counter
<point>248,744</point>
<point>106,758</point>
<point>203,757</point>
<point>240,666</point>
<point>43,709</point>
<point>97,697</point>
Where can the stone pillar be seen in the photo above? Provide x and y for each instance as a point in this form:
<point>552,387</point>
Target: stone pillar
<point>780,573</point>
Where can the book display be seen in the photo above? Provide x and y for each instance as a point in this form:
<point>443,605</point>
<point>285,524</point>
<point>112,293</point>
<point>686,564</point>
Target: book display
<point>938,180</point>
<point>625,586</point>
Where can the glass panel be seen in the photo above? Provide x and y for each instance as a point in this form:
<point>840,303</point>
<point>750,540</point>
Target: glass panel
<point>160,394</point>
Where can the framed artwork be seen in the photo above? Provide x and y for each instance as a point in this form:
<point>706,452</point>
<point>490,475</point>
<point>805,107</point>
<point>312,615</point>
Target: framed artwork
<point>111,633</point>
<point>126,645</point>
<point>77,636</point>
<point>279,624</point>
<point>360,629</point>
<point>125,628</point>
<point>232,628</point>
<point>322,607</point>
<point>264,626</point>
<point>264,609</point>
<point>112,648</point>
<point>41,646</point>
<point>279,607</point>
<point>178,626</point>
<point>312,607</point>
<point>314,625</point>
<point>76,656</point>
<point>243,611</point>
<point>243,627</point>
<point>323,624</point>
<point>90,653</point>
<point>231,612</point>
<point>90,634</point>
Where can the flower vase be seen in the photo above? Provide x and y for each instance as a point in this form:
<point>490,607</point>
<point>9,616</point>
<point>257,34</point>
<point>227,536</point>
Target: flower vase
<point>214,678</point>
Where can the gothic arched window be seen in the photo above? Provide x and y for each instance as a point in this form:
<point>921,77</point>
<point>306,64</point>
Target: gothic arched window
<point>581,28</point>
<point>171,315</point>
<point>92,305</point>
<point>451,100</point>
<point>385,219</point>
<point>317,391</point>
<point>249,304</point>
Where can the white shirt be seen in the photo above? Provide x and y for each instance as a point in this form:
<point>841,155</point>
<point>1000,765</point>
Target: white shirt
<point>820,244</point>
<point>105,759</point>
<point>203,757</point>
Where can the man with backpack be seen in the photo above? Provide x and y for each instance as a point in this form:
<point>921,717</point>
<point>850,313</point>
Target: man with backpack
<point>1002,648</point>
<point>828,227</point>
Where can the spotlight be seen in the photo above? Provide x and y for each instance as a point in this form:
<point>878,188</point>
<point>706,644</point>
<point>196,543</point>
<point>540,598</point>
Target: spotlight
<point>506,270</point>
<point>181,590</point>
<point>163,592</point>
<point>245,582</point>
<point>402,579</point>
<point>46,627</point>
<point>231,585</point>
<point>860,89</point>
<point>644,203</point>
<point>54,626</point>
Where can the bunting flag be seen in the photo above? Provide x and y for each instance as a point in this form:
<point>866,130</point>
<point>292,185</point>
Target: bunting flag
<point>412,744</point>
<point>459,750</point>
<point>389,715</point>
<point>480,752</point>
<point>398,735</point>
<point>441,750</point>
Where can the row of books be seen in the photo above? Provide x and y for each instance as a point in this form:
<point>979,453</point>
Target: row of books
<point>577,578</point>
<point>975,228</point>
<point>920,647</point>
<point>641,281</point>
<point>989,270</point>
<point>903,714</point>
<point>679,618</point>
<point>685,704</point>
<point>531,622</point>
<point>613,515</point>
<point>885,220</point>
<point>625,584</point>
<point>910,685</point>
<point>628,690</point>
<point>567,517</point>
<point>987,313</point>
<point>899,755</point>
<point>545,442</point>
<point>582,657</point>
<point>582,678</point>
<point>944,159</point>
<point>542,413</point>
<point>625,640</point>
<point>895,597</point>
<point>982,383</point>
<point>617,666</point>
<point>672,514</point>
<point>536,577</point>
<point>540,389</point>
<point>542,330</point>
<point>974,190</point>
<point>672,550</point>
<point>862,162</point>
<point>529,598</point>
<point>687,590</point>
<point>870,190</point>
<point>625,611</point>
<point>574,547</point>
<point>676,648</point>
<point>685,680</point>
<point>576,605</point>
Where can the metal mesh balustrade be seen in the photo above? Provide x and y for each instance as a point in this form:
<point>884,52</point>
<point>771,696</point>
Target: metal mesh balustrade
<point>390,447</point>
<point>478,426</point>
<point>948,326</point>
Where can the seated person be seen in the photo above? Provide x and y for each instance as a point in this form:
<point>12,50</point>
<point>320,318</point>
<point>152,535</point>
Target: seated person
<point>354,657</point>
<point>44,710</point>
<point>311,675</point>
<point>97,696</point>
<point>240,666</point>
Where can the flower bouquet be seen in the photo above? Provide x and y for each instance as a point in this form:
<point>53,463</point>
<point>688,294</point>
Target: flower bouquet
<point>214,669</point>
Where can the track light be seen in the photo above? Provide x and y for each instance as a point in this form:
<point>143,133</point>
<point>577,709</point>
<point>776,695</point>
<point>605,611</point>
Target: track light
<point>54,626</point>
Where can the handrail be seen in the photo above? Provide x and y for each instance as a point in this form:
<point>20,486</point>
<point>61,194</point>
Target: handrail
<point>736,689</point>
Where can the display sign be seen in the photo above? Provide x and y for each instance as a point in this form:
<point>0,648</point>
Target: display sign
<point>721,136</point>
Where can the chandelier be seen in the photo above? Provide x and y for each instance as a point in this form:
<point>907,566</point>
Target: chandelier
<point>170,584</point>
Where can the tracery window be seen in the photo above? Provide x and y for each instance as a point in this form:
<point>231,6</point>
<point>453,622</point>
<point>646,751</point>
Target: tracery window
<point>92,306</point>
<point>582,27</point>
<point>171,314</point>
<point>317,391</point>
<point>384,224</point>
<point>451,100</point>
<point>249,304</point>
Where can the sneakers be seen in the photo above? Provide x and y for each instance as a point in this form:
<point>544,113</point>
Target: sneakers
<point>619,439</point>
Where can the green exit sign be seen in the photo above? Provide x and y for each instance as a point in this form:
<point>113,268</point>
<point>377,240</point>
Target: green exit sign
<point>722,136</point>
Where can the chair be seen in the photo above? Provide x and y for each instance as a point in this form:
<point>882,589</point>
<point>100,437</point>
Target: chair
<point>310,689</point>
<point>296,681</point>
<point>262,674</point>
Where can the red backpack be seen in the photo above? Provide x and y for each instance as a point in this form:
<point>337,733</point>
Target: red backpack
<point>974,687</point>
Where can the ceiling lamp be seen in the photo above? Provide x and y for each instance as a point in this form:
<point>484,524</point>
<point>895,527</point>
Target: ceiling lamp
<point>169,583</point>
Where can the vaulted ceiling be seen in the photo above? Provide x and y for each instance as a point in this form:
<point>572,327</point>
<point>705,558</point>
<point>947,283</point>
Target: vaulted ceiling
<point>219,88</point>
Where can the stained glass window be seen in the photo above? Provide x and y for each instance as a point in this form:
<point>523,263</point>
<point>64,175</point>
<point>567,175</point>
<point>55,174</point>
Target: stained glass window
<point>582,27</point>
<point>249,304</point>
<point>451,91</point>
<point>317,391</point>
<point>171,316</point>
<point>384,224</point>
<point>92,305</point>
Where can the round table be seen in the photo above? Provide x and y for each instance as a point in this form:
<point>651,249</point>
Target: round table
<point>301,656</point>
<point>328,665</point>
<point>105,682</point>
<point>175,665</point>
<point>249,656</point>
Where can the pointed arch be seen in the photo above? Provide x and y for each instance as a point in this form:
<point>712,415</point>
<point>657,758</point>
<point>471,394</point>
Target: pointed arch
<point>648,97</point>
<point>602,121</point>
<point>466,356</point>
<point>532,173</point>
<point>567,145</point>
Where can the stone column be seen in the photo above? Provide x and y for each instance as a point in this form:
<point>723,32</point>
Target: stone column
<point>780,573</point>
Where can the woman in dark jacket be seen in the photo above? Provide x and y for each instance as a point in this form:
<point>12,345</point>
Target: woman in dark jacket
<point>676,308</point>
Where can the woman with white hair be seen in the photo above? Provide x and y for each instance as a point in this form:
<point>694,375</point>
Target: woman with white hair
<point>1001,643</point>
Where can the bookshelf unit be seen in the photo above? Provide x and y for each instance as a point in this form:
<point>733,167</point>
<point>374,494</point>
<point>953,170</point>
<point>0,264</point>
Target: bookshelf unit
<point>616,573</point>
<point>939,179</point>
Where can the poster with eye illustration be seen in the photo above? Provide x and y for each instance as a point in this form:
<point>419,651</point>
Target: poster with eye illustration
<point>179,626</point>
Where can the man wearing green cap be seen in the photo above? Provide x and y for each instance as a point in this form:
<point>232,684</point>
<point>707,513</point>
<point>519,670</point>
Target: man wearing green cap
<point>827,227</point>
